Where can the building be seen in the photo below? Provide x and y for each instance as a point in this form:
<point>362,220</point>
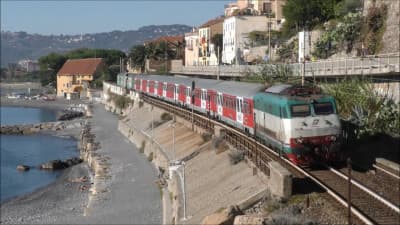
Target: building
<point>28,65</point>
<point>207,52</point>
<point>235,36</point>
<point>192,48</point>
<point>270,8</point>
<point>75,75</point>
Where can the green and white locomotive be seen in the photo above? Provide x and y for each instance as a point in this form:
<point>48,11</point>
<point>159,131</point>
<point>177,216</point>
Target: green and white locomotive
<point>298,122</point>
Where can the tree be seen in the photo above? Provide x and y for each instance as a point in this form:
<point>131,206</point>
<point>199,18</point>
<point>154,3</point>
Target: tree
<point>137,56</point>
<point>217,40</point>
<point>52,61</point>
<point>308,13</point>
<point>347,6</point>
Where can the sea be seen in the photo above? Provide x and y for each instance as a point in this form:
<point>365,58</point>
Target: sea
<point>31,150</point>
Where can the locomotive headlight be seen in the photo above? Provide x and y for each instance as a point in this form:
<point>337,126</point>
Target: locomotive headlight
<point>299,140</point>
<point>333,138</point>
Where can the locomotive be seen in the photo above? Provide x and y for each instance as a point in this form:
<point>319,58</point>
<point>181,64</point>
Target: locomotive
<point>301,123</point>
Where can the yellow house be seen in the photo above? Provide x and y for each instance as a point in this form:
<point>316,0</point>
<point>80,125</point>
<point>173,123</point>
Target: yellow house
<point>76,74</point>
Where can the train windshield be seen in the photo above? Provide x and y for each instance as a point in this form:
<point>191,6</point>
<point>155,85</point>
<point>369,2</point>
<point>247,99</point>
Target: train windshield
<point>300,110</point>
<point>324,108</point>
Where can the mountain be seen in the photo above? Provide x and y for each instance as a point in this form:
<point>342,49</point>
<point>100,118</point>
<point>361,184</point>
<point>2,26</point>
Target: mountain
<point>21,45</point>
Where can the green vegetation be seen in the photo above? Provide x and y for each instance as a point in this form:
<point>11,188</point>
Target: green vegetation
<point>122,101</point>
<point>340,35</point>
<point>367,112</point>
<point>273,73</point>
<point>374,28</point>
<point>235,156</point>
<point>165,116</point>
<point>150,157</point>
<point>307,13</point>
<point>217,40</point>
<point>52,63</point>
<point>141,149</point>
<point>206,137</point>
<point>159,51</point>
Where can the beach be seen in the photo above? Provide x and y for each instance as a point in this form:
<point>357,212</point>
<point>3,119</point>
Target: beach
<point>130,195</point>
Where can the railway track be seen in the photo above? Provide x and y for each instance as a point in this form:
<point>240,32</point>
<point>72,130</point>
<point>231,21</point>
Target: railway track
<point>368,206</point>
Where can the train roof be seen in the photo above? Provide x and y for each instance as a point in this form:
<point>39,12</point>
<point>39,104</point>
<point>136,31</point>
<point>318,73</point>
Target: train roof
<point>288,92</point>
<point>233,88</point>
<point>241,89</point>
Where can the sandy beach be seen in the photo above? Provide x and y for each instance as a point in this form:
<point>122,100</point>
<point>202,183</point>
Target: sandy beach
<point>131,196</point>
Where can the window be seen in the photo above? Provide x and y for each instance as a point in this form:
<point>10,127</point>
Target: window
<point>246,108</point>
<point>284,112</point>
<point>300,110</point>
<point>324,108</point>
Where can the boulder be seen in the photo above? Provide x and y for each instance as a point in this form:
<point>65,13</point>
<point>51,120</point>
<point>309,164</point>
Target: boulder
<point>248,219</point>
<point>23,168</point>
<point>53,165</point>
<point>69,115</point>
<point>72,161</point>
<point>60,164</point>
<point>225,217</point>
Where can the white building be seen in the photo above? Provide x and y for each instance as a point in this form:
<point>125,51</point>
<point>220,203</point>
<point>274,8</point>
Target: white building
<point>192,48</point>
<point>29,65</point>
<point>235,36</point>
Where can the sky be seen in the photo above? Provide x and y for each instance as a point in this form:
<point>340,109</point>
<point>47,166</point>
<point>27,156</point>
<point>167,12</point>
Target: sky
<point>80,17</point>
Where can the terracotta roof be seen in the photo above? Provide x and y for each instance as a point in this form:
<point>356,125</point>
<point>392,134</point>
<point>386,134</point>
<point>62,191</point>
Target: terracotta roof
<point>171,39</point>
<point>212,22</point>
<point>80,66</point>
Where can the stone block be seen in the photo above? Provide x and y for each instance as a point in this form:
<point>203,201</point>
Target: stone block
<point>280,181</point>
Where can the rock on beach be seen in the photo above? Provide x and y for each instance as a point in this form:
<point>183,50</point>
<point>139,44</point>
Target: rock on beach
<point>60,164</point>
<point>23,168</point>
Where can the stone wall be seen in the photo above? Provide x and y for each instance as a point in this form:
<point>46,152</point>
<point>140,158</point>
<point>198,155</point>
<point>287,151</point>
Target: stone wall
<point>390,39</point>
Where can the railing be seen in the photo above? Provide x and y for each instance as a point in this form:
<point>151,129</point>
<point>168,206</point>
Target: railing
<point>368,65</point>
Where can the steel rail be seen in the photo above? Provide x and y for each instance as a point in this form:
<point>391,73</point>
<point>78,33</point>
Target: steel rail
<point>385,171</point>
<point>367,190</point>
<point>329,190</point>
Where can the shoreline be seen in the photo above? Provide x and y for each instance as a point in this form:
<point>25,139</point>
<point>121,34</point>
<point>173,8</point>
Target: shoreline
<point>58,104</point>
<point>42,200</point>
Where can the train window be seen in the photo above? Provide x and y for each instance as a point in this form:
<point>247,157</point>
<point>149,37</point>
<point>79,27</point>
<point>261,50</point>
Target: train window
<point>284,112</point>
<point>323,108</point>
<point>219,99</point>
<point>300,110</point>
<point>246,108</point>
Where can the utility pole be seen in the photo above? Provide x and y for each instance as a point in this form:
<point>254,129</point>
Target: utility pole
<point>269,36</point>
<point>304,57</point>
<point>218,62</point>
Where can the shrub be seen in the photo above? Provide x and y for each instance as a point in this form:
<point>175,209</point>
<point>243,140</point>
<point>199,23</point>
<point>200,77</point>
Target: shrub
<point>206,137</point>
<point>122,102</point>
<point>141,149</point>
<point>165,117</point>
<point>150,157</point>
<point>219,145</point>
<point>235,157</point>
<point>141,104</point>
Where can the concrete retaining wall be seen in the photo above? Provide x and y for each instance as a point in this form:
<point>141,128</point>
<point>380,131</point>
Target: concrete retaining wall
<point>280,181</point>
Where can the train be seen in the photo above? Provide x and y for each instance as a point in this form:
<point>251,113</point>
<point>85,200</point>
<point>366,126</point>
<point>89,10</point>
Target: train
<point>299,122</point>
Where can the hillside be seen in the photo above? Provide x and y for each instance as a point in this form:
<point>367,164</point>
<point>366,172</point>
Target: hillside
<point>20,45</point>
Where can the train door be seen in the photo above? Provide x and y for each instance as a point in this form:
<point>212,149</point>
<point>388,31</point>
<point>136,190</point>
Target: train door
<point>147,86</point>
<point>155,87</point>
<point>203,99</point>
<point>219,103</point>
<point>164,90</point>
<point>239,110</point>
<point>176,92</point>
<point>188,96</point>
